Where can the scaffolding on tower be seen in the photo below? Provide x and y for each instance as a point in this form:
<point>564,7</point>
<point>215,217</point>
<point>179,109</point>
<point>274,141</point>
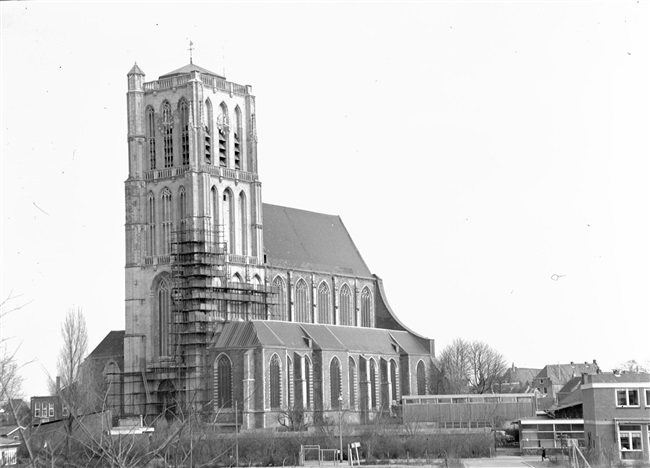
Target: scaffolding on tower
<point>205,295</point>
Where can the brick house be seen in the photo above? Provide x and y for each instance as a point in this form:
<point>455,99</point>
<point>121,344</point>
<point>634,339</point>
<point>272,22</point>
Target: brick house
<point>47,408</point>
<point>553,377</point>
<point>616,409</point>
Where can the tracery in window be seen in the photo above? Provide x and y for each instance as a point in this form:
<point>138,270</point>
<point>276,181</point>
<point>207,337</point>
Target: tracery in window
<point>392,375</point>
<point>373,384</point>
<point>167,129</point>
<point>164,317</point>
<point>352,377</point>
<point>289,382</point>
<point>281,307</point>
<point>302,302</point>
<point>421,379</point>
<point>335,383</point>
<point>151,226</point>
<point>237,135</point>
<point>223,383</point>
<point>366,308</point>
<point>208,131</point>
<point>276,383</point>
<point>167,221</point>
<point>324,308</point>
<point>345,306</point>
<point>151,137</point>
<point>243,216</point>
<point>223,124</point>
<point>185,135</point>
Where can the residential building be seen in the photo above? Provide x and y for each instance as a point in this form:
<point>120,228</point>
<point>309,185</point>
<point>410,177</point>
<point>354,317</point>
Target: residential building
<point>47,408</point>
<point>517,379</point>
<point>554,376</point>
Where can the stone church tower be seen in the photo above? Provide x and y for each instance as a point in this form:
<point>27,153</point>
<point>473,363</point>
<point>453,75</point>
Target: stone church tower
<point>193,228</point>
<point>228,318</point>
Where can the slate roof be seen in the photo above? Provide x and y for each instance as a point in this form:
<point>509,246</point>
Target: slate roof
<point>311,241</point>
<point>111,346</point>
<point>135,70</point>
<point>562,373</point>
<point>269,333</point>
<point>190,67</point>
<point>522,375</point>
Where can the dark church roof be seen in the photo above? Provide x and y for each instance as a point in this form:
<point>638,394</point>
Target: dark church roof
<point>306,240</point>
<point>305,336</point>
<point>190,68</point>
<point>112,346</point>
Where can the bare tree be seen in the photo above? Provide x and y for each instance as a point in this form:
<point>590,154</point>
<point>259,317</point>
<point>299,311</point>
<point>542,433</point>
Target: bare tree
<point>71,357</point>
<point>633,366</point>
<point>468,367</point>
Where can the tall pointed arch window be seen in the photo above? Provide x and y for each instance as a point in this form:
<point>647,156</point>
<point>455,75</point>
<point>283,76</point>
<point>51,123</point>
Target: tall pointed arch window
<point>421,377</point>
<point>208,131</point>
<point>238,135</point>
<point>223,124</point>
<point>335,383</point>
<point>366,308</point>
<point>302,302</point>
<point>166,221</point>
<point>151,137</point>
<point>392,375</point>
<point>352,377</point>
<point>345,304</point>
<point>182,207</point>
<point>324,307</point>
<point>281,307</point>
<point>308,382</point>
<point>275,383</point>
<point>243,216</point>
<point>151,225</point>
<point>167,128</point>
<point>214,212</point>
<point>164,316</point>
<point>185,132</point>
<point>289,382</point>
<point>228,219</point>
<point>373,384</point>
<point>223,383</point>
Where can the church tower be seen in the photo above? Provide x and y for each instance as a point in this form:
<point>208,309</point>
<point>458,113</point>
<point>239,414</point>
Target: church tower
<point>194,248</point>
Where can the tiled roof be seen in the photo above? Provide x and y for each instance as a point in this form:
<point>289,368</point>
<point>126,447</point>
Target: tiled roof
<point>111,346</point>
<point>190,68</point>
<point>293,335</point>
<point>311,241</point>
<point>562,373</point>
<point>520,374</point>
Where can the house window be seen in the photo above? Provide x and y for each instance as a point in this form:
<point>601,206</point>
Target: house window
<point>223,387</point>
<point>335,383</point>
<point>65,411</point>
<point>647,400</point>
<point>37,410</point>
<point>276,390</point>
<point>185,136</point>
<point>51,412</point>
<point>627,397</point>
<point>629,436</point>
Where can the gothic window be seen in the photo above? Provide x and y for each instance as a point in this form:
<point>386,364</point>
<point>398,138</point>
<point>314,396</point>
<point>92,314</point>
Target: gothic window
<point>151,137</point>
<point>185,134</point>
<point>421,379</point>
<point>223,124</point>
<point>352,377</point>
<point>167,131</point>
<point>227,216</point>
<point>181,206</point>
<point>307,382</point>
<point>151,226</point>
<point>236,278</point>
<point>324,308</point>
<point>289,382</point>
<point>276,386</point>
<point>208,132</point>
<point>237,138</point>
<point>223,383</point>
<point>164,317</point>
<point>302,302</point>
<point>214,212</point>
<point>335,383</point>
<point>366,307</point>
<point>166,221</point>
<point>373,384</point>
<point>345,304</point>
<point>243,216</point>
<point>392,375</point>
<point>281,308</point>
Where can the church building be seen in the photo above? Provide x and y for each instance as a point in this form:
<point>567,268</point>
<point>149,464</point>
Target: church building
<point>243,311</point>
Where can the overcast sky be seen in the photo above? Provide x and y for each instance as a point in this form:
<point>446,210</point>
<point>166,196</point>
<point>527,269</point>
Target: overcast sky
<point>489,159</point>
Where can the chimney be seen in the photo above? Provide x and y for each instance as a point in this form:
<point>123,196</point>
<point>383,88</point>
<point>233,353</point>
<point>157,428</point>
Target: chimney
<point>58,384</point>
<point>572,364</point>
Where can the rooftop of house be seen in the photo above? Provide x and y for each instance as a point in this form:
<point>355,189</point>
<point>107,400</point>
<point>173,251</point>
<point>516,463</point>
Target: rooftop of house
<point>611,377</point>
<point>520,374</point>
<point>560,374</point>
